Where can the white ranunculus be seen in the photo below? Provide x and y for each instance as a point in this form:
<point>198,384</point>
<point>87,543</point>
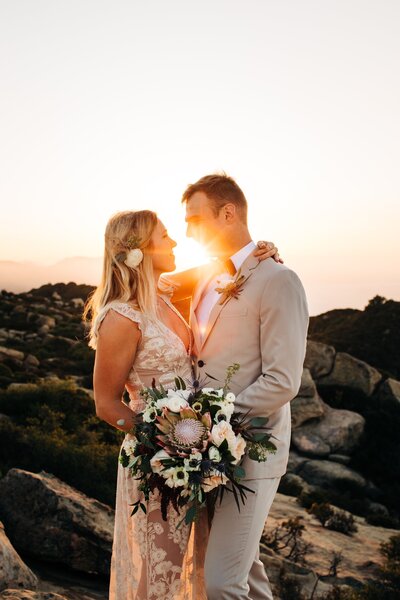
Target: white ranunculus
<point>226,410</point>
<point>129,446</point>
<point>222,431</point>
<point>176,403</point>
<point>149,414</point>
<point>161,402</point>
<point>156,462</point>
<point>134,258</point>
<point>214,454</point>
<point>230,397</point>
<point>193,462</point>
<point>176,477</point>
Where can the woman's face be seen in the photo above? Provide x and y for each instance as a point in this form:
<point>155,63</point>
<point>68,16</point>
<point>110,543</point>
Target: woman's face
<point>162,252</point>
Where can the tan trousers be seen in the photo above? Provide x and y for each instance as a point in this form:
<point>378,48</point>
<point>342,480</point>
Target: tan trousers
<point>233,570</point>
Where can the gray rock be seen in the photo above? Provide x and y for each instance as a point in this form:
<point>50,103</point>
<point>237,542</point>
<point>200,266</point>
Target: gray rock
<point>327,474</point>
<point>56,296</point>
<point>22,387</point>
<point>43,330</point>
<point>46,320</point>
<point>31,361</point>
<point>307,386</point>
<point>55,522</point>
<point>293,485</point>
<point>340,458</point>
<point>352,373</point>
<point>11,353</point>
<point>304,409</point>
<point>295,461</point>
<point>319,358</point>
<point>337,431</point>
<point>77,302</point>
<point>375,508</point>
<point>389,394</point>
<point>13,571</point>
<point>310,444</point>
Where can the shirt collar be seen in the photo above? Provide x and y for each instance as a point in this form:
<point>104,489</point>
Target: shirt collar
<point>240,256</point>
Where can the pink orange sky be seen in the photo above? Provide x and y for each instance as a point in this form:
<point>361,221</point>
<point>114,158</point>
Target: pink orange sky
<point>109,106</point>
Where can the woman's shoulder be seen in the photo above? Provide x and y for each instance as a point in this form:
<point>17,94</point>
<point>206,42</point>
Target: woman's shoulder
<point>123,308</point>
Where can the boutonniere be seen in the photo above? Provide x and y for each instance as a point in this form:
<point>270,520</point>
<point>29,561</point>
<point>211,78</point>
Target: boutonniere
<point>230,287</point>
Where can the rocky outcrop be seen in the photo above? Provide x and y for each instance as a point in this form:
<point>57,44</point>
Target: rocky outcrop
<point>319,359</point>
<point>49,519</point>
<point>9,353</point>
<point>353,374</point>
<point>360,552</point>
<point>337,431</point>
<point>307,404</point>
<point>329,474</point>
<point>13,571</point>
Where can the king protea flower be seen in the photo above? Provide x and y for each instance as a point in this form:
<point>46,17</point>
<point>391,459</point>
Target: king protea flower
<point>184,431</point>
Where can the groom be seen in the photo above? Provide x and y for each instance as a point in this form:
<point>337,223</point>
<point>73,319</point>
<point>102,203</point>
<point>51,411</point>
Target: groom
<point>264,330</point>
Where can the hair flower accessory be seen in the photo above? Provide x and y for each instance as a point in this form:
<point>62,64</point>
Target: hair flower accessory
<point>132,255</point>
<point>134,258</point>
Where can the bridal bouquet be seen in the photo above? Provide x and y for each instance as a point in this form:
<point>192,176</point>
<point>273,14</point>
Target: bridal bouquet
<point>188,442</point>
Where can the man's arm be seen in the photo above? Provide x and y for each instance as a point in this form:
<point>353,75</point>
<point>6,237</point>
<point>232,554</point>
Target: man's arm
<point>283,333</point>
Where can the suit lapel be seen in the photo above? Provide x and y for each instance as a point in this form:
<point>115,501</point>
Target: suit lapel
<point>247,269</point>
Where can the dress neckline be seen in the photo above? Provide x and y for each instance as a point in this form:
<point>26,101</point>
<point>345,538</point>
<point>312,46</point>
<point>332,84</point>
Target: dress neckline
<point>176,311</point>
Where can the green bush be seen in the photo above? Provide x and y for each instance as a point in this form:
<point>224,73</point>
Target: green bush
<point>54,428</point>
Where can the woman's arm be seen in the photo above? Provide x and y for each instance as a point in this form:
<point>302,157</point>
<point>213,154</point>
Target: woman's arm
<point>181,285</point>
<point>116,349</point>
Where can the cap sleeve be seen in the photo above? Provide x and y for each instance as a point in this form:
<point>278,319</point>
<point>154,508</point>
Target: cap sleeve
<point>123,309</point>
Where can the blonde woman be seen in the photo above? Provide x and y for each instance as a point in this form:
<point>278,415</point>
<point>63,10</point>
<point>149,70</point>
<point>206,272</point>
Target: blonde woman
<point>139,337</point>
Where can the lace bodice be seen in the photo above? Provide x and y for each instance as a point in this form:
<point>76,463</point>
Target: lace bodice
<point>161,354</point>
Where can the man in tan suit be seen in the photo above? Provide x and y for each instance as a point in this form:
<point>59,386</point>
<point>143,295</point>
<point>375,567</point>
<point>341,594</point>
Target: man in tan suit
<point>264,330</point>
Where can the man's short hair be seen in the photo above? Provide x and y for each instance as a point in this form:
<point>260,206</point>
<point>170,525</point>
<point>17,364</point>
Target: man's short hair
<point>220,189</point>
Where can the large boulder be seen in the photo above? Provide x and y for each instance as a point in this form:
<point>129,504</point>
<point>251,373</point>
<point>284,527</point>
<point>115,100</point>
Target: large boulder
<point>13,571</point>
<point>12,354</point>
<point>352,373</point>
<point>319,358</point>
<point>389,395</point>
<point>307,404</point>
<point>49,519</point>
<point>337,431</point>
<point>328,475</point>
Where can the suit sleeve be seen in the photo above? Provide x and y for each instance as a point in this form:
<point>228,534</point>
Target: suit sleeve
<point>283,334</point>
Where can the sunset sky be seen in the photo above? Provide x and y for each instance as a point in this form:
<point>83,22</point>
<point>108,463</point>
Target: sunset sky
<point>110,105</point>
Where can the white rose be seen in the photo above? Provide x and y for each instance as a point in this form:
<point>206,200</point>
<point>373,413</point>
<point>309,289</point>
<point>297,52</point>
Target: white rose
<point>156,462</point>
<point>222,431</point>
<point>175,403</point>
<point>134,258</point>
<point>161,402</point>
<point>214,454</point>
<point>237,448</point>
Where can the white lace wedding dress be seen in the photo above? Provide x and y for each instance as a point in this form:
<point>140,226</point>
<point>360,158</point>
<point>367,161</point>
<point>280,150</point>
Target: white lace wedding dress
<point>152,558</point>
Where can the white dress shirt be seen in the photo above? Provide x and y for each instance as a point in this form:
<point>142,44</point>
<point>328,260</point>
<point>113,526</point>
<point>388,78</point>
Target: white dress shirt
<point>210,296</point>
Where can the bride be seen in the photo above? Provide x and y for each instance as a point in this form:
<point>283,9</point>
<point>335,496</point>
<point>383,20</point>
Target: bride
<point>140,337</point>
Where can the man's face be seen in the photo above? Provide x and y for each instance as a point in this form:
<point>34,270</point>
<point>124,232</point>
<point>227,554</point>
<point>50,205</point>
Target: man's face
<point>202,224</point>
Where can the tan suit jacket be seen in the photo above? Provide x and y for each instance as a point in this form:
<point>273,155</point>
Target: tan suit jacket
<point>264,330</point>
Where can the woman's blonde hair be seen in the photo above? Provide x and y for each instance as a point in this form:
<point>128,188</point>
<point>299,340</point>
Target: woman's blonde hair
<point>120,282</point>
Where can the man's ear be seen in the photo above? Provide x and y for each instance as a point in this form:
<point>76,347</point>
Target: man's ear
<point>229,212</point>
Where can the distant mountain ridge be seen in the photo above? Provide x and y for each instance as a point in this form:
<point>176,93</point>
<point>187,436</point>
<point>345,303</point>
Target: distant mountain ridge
<point>18,277</point>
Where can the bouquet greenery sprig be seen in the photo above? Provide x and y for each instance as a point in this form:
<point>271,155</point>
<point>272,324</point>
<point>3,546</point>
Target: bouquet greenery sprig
<point>188,442</point>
